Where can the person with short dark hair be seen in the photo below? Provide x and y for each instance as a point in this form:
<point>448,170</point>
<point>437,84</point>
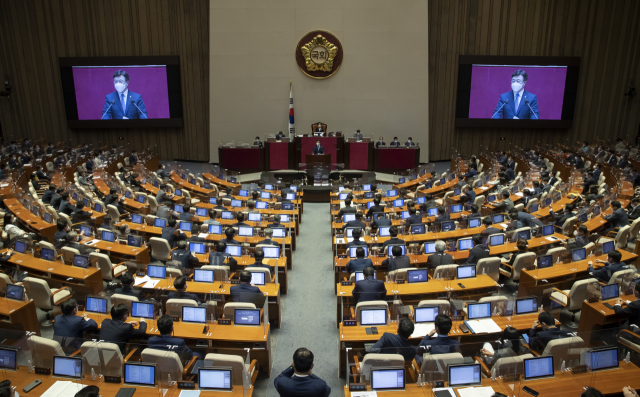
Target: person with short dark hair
<point>126,289</point>
<point>395,142</point>
<point>356,233</point>
<point>489,229</point>
<point>60,237</point>
<point>88,391</point>
<point>257,142</point>
<point>414,217</point>
<point>632,309</point>
<point>65,205</point>
<point>245,292</point>
<point>618,218</point>
<point>180,285</point>
<point>117,330</point>
<point>549,331</point>
<point>230,232</point>
<point>186,214</point>
<point>359,262</point>
<point>409,142</point>
<point>258,255</point>
<point>369,289</point>
<point>441,344</point>
<point>505,205</point>
<point>167,342</point>
<point>171,232</point>
<point>240,218</point>
<point>48,194</point>
<point>397,260</point>
<point>613,264</point>
<point>380,220</point>
<point>79,215</point>
<point>479,251</point>
<point>390,343</point>
<point>562,218</point>
<point>211,220</point>
<point>512,347</point>
<point>124,104</point>
<point>376,207</point>
<point>581,239</point>
<point>69,324</point>
<point>357,223</point>
<point>220,258</point>
<point>298,380</point>
<point>347,209</point>
<point>442,215</point>
<point>318,148</point>
<point>393,238</point>
<point>182,254</point>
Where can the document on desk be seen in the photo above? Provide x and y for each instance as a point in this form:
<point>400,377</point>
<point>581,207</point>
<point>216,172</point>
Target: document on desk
<point>483,326</point>
<point>141,280</point>
<point>4,185</point>
<point>519,194</point>
<point>151,284</point>
<point>364,394</point>
<point>63,388</point>
<point>203,235</point>
<point>422,329</point>
<point>476,392</point>
<point>91,242</point>
<point>189,393</point>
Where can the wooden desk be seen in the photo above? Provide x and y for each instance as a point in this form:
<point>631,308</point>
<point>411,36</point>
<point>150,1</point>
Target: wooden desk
<point>121,252</point>
<point>20,316</point>
<point>412,389</point>
<point>5,192</point>
<point>222,182</point>
<point>195,189</point>
<point>595,315</point>
<point>130,204</point>
<point>32,222</point>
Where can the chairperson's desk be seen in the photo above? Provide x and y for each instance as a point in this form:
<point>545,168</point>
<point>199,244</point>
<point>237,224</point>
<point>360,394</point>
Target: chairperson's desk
<point>33,223</point>
<point>255,338</point>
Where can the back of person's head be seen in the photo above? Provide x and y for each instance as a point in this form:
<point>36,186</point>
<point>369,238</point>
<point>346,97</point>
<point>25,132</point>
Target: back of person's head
<point>212,214</point>
<point>396,250</point>
<point>255,195</point>
<point>505,195</point>
<point>71,236</point>
<point>487,221</point>
<point>393,231</point>
<point>251,203</point>
<point>405,327</point>
<point>186,208</point>
<point>428,196</point>
<point>368,271</point>
<point>126,279</point>
<point>360,253</point>
<point>512,335</point>
<point>615,256</point>
<point>570,207</point>
<point>412,210</point>
<point>443,324</point>
<point>60,225</point>
<point>376,201</point>
<point>88,391</point>
<point>276,219</point>
<point>374,187</point>
<point>182,245</point>
<point>441,246</point>
<point>221,246</point>
<point>52,187</point>
<point>356,233</point>
<point>441,210</point>
<point>347,201</point>
<point>68,306</point>
<point>477,239</point>
<point>65,196</point>
<point>180,283</point>
<point>303,360</point>
<point>112,191</point>
<point>240,217</point>
<point>359,215</point>
<point>259,254</point>
<point>583,230</point>
<point>591,392</point>
<point>616,204</point>
<point>171,222</point>
<point>245,276</point>
<point>229,232</point>
<point>513,213</point>
<point>547,318</point>
<point>165,325</point>
<point>522,244</point>
<point>119,311</point>
<point>268,232</point>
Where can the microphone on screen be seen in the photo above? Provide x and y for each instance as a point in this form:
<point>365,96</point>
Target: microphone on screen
<point>504,103</point>
<point>141,112</point>
<point>534,113</point>
<point>110,104</point>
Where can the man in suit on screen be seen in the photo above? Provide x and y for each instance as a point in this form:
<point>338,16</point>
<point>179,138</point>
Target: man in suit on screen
<point>122,103</point>
<point>517,103</point>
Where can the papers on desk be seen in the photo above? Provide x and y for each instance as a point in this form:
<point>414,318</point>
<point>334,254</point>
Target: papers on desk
<point>62,388</point>
<point>483,326</point>
<point>519,194</point>
<point>4,184</point>
<point>141,280</point>
<point>151,284</point>
<point>486,391</point>
<point>203,235</point>
<point>422,329</point>
<point>189,393</point>
<point>551,238</point>
<point>364,394</point>
<point>91,242</point>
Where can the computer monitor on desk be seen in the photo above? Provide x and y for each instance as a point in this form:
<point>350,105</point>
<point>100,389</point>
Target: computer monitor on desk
<point>426,314</point>
<point>248,317</point>
<point>464,375</point>
<point>215,379</point>
<point>203,276</point>
<point>579,254</point>
<point>67,367</point>
<point>429,248</point>
<point>479,310</point>
<point>610,292</point>
<point>384,231</point>
<point>352,251</point>
<point>96,305</point>
<point>372,317</point>
<point>603,359</point>
<point>538,368</point>
<point>159,222</point>
<point>360,275</point>
<point>474,222</point>
<point>466,272</point>
<point>391,379</point>
<point>198,248</point>
<point>417,276</point>
<point>526,305</point>
<point>107,236</point>
<point>155,271</point>
<point>8,358</point>
<point>192,314</point>
<point>15,292</point>
<point>432,211</point>
<point>134,241</point>
<point>81,261</point>
<point>142,310</point>
<point>390,249</point>
<point>138,374</point>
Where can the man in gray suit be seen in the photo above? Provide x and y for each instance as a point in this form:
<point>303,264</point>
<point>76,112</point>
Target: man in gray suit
<point>618,218</point>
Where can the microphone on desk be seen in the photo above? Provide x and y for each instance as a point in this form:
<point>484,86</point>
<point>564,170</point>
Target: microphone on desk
<point>105,112</point>
<point>534,113</point>
<point>136,105</point>
<point>504,103</point>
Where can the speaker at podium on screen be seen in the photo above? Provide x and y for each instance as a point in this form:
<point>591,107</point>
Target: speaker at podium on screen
<point>319,129</point>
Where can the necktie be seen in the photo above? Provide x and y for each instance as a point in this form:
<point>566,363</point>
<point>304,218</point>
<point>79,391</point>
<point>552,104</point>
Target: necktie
<point>124,107</point>
<point>517,102</point>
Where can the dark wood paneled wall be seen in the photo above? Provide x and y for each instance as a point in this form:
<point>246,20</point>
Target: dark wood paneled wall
<point>604,33</point>
<point>34,33</point>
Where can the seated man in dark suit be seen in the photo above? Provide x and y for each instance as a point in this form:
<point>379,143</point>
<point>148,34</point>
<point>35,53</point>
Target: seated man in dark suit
<point>468,195</point>
<point>393,240</point>
<point>489,229</point>
<point>167,342</point>
<point>276,224</point>
<point>376,207</point>
<point>71,325</point>
<point>479,250</point>
<point>230,234</point>
<point>618,218</point>
<point>79,214</point>
<point>414,218</point>
<point>475,212</point>
<point>117,330</point>
<point>180,285</point>
<point>182,255</point>
<point>539,338</point>
<point>562,218</point>
<point>442,215</point>
<point>611,266</point>
<point>369,289</point>
<point>259,257</point>
<point>133,159</point>
<point>356,223</point>
<point>588,181</point>
<point>65,205</point>
<point>632,309</point>
<point>245,292</point>
<point>241,222</point>
<point>186,214</point>
<point>171,232</point>
<point>395,142</point>
<point>356,233</point>
<point>390,343</point>
<point>347,209</point>
<point>380,220</point>
<point>268,234</point>
<point>60,237</point>
<point>297,380</point>
<point>397,260</point>
<point>634,209</point>
<point>429,202</point>
<point>127,289</point>
<point>440,257</point>
<point>441,344</point>
<point>48,194</point>
<point>580,240</point>
<point>359,263</point>
<point>220,258</point>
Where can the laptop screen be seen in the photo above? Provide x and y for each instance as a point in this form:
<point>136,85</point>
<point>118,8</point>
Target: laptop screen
<point>185,226</point>
<point>417,276</point>
<point>604,359</point>
<point>479,310</point>
<point>134,241</point>
<point>352,251</point>
<point>418,229</point>
<point>15,292</point>
<point>421,200</point>
<point>245,231</point>
<point>159,222</point>
<point>140,309</point>
<point>384,231</point>
<point>287,206</point>
<point>178,208</point>
<point>398,203</point>
<point>456,208</point>
<point>194,314</point>
<point>429,248</point>
<point>96,305</point>
<point>234,250</point>
<point>135,218</point>
<point>474,222</point>
<point>81,261</point>
<point>107,236</point>
<point>215,229</point>
<point>579,254</point>
<point>257,278</point>
<point>8,358</point>
<point>214,379</point>
<point>20,246</point>
<point>466,271</point>
<point>156,271</point>
<point>608,246</point>
<point>254,217</point>
<point>426,314</point>
<point>342,196</point>
<point>373,317</point>
<point>464,375</point>
<point>527,305</point>
<point>48,254</point>
<point>70,367</point>
<point>456,192</point>
<point>547,230</point>
<point>291,196</point>
<point>85,230</point>
<point>465,244</point>
<point>198,248</point>
<point>243,193</point>
<point>540,367</point>
<point>261,205</point>
<point>271,252</point>
<point>203,276</point>
<point>140,374</point>
<point>390,249</point>
<point>141,199</point>
<point>202,212</point>
<point>47,216</point>
<point>491,198</point>
<point>226,215</point>
<point>387,379</point>
<point>497,239</point>
<point>405,214</point>
<point>447,226</point>
<point>247,317</point>
<point>391,193</point>
<point>545,261</point>
<point>178,192</point>
<point>497,218</point>
<point>401,180</point>
<point>610,292</point>
<point>432,212</point>
<point>533,208</point>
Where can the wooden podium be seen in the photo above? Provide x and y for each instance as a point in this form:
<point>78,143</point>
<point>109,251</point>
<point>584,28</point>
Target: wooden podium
<point>317,158</point>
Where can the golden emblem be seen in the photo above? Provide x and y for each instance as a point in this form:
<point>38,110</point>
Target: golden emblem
<point>319,54</point>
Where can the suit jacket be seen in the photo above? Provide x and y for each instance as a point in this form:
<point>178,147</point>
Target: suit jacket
<point>56,199</point>
<point>347,210</point>
<point>269,241</point>
<point>635,213</point>
<point>596,174</point>
<point>632,311</point>
<point>168,234</point>
<point>128,290</point>
<point>356,243</point>
<point>356,224</point>
<point>178,345</point>
<point>186,259</point>
<point>409,143</point>
<point>66,207</point>
<point>618,218</point>
<point>469,197</point>
<point>115,111</point>
<point>381,222</point>
<point>489,231</point>
<point>374,209</point>
<point>358,264</point>
<point>539,338</point>
<point>505,205</point>
<point>318,150</point>
<point>443,218</point>
<point>604,273</point>
<point>394,344</point>
<point>289,385</point>
<point>394,263</point>
<point>509,174</point>
<point>72,326</point>
<point>133,159</point>
<point>244,292</point>
<point>380,143</point>
<point>623,163</point>
<point>529,220</point>
<point>80,215</point>
<point>218,258</point>
<point>41,176</point>
<point>259,265</point>
<point>414,220</point>
<point>392,241</point>
<point>587,183</point>
<point>395,144</point>
<point>47,196</point>
<point>118,332</point>
<point>369,289</point>
<point>439,258</point>
<point>441,344</point>
<point>561,218</point>
<point>476,253</point>
<point>508,111</point>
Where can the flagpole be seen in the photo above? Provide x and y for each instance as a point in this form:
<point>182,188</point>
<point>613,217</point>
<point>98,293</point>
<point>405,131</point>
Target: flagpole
<point>292,129</point>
